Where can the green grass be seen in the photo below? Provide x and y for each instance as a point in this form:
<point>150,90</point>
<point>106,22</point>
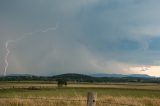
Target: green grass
<point>23,94</point>
<point>67,92</point>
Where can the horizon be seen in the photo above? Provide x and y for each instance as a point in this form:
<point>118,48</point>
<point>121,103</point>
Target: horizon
<point>89,74</point>
<point>43,37</point>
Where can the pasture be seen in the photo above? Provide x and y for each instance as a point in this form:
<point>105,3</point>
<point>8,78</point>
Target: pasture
<point>48,94</point>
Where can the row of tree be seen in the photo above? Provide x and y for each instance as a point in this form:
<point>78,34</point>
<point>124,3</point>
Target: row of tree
<point>79,78</point>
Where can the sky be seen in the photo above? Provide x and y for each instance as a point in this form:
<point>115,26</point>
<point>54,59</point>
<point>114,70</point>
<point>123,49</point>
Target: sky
<point>51,37</point>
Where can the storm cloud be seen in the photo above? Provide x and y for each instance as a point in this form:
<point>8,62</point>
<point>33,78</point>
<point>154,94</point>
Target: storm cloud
<point>91,36</point>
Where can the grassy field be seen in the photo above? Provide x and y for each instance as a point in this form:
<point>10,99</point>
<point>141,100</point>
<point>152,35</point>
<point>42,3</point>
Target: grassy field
<point>48,94</point>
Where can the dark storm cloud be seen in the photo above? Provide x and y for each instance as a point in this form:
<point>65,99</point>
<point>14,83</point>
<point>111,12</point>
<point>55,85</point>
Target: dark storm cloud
<point>91,35</point>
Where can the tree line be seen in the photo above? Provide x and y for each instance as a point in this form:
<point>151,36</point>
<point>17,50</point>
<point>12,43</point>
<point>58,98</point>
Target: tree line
<point>79,78</point>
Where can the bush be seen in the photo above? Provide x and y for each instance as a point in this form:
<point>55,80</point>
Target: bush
<point>61,83</point>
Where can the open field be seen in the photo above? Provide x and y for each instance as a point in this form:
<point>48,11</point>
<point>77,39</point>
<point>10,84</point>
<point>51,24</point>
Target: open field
<point>41,94</point>
<point>103,101</point>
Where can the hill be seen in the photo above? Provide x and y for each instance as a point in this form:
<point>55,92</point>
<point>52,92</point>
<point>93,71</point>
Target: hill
<point>108,75</point>
<point>74,77</point>
<point>121,75</point>
<point>84,78</point>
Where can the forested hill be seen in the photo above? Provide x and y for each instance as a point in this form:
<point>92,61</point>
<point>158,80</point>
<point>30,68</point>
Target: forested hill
<point>81,78</point>
<point>74,77</point>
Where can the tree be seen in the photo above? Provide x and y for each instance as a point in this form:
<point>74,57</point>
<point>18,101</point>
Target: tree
<point>61,82</point>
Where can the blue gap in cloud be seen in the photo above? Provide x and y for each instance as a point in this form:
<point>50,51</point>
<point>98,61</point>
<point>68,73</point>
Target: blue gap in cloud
<point>154,44</point>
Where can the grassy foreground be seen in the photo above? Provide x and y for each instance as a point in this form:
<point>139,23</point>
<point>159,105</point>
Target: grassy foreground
<point>107,95</point>
<point>65,101</point>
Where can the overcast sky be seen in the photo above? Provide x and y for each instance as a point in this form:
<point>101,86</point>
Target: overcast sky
<point>80,36</point>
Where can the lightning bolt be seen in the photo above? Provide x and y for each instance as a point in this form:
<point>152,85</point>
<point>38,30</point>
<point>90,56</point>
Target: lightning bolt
<point>8,42</point>
<point>6,56</point>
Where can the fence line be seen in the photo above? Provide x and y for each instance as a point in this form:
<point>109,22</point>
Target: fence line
<point>122,104</point>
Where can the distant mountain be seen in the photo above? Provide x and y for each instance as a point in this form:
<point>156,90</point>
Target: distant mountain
<point>84,78</point>
<point>73,77</point>
<point>108,75</point>
<point>121,75</point>
<point>16,75</point>
<point>139,76</point>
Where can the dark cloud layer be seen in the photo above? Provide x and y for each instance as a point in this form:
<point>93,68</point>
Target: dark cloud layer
<point>91,36</point>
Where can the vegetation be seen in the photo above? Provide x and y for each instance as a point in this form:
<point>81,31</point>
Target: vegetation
<point>61,83</point>
<point>73,92</point>
<point>81,78</point>
<point>43,91</point>
<point>50,95</point>
<point>103,101</point>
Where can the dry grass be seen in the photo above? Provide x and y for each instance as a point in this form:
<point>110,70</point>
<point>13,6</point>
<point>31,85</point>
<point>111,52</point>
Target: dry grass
<point>72,101</point>
<point>36,94</point>
<point>146,86</point>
